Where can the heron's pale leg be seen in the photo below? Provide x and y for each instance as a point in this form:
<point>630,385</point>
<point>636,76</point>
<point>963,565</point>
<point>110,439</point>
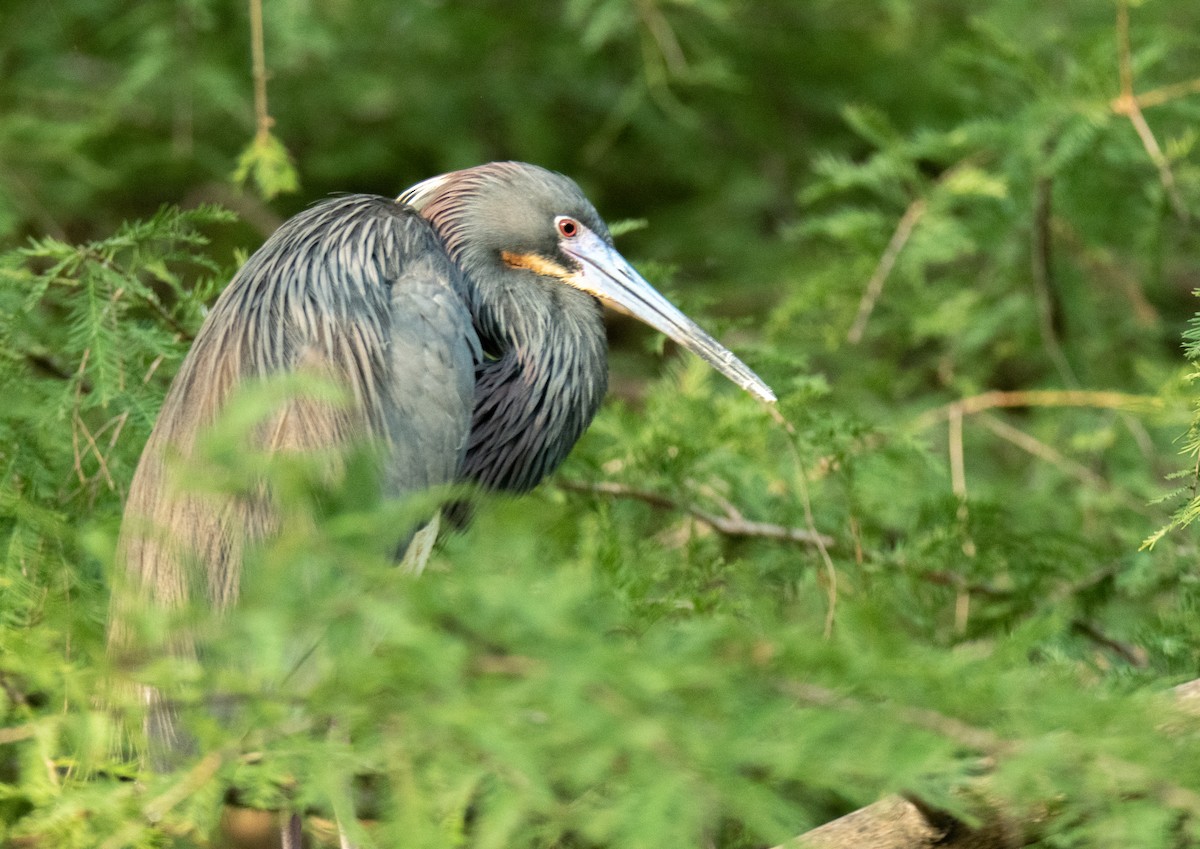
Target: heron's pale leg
<point>291,836</point>
<point>417,554</point>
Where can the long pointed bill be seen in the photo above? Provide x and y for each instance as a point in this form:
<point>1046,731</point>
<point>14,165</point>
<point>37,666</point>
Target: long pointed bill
<point>607,275</point>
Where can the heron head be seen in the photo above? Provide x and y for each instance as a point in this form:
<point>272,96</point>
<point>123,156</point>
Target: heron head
<point>510,220</point>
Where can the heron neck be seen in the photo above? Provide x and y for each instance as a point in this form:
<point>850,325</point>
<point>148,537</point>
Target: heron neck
<point>538,390</point>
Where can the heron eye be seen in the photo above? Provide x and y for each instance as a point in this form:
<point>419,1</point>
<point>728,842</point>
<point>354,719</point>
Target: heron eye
<point>568,228</point>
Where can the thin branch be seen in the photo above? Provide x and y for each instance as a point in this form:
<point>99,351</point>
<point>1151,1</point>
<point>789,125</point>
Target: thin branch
<point>262,116</point>
<point>17,733</point>
<point>1105,268</point>
<point>93,449</point>
<point>900,236</point>
<point>192,780</point>
<point>1042,275</point>
<point>958,485</point>
<point>831,575</point>
<point>1132,654</point>
<point>728,525</point>
<point>945,578</point>
<point>1054,457</point>
<point>969,736</point>
<point>14,693</point>
<point>148,297</point>
<point>975,404</point>
<point>958,474</point>
<point>1165,94</point>
<point>904,229</point>
<point>1127,104</point>
<point>664,37</point>
<point>1098,399</point>
<point>44,364</point>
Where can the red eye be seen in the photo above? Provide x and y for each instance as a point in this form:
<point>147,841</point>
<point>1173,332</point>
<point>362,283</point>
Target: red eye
<point>568,228</point>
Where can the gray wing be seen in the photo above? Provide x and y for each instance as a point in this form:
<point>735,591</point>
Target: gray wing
<point>357,289</point>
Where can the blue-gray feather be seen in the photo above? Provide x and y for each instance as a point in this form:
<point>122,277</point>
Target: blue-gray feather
<point>547,371</point>
<point>459,367</point>
<point>357,290</point>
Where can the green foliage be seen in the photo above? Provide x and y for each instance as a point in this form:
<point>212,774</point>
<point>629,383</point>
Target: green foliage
<point>934,229</point>
<point>1189,511</point>
<point>91,334</point>
<point>266,164</point>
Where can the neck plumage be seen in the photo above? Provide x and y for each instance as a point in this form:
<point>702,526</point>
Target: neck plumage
<point>539,386</point>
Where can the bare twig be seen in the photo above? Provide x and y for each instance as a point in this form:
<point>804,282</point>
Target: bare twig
<point>1104,267</point>
<point>975,404</point>
<point>93,448</point>
<point>958,474</point>
<point>831,575</point>
<point>262,116</point>
<point>944,578</point>
<point>1099,399</point>
<point>1166,93</point>
<point>969,736</point>
<point>14,693</point>
<point>904,229</point>
<point>193,780</point>
<point>1127,104</point>
<point>1132,654</point>
<point>1053,456</point>
<point>250,209</point>
<point>887,261</point>
<point>17,733</point>
<point>78,426</point>
<point>958,485</point>
<point>1042,275</point>
<point>729,525</point>
<point>664,36</point>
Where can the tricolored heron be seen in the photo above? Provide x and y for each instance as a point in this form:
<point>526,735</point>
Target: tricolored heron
<point>465,320</point>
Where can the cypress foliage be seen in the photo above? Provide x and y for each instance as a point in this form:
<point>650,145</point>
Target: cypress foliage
<point>958,239</point>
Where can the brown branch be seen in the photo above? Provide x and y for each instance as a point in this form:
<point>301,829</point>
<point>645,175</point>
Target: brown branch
<point>728,525</point>
<point>995,399</point>
<point>1042,275</point>
<point>660,30</point>
<point>944,578</point>
<point>43,363</point>
<point>192,780</point>
<point>17,733</point>
<point>958,485</point>
<point>900,236</point>
<point>249,209</point>
<point>1098,399</point>
<point>1165,94</point>
<point>887,261</point>
<point>831,575</point>
<point>1132,654</point>
<point>969,736</point>
<point>1104,267</point>
<point>1054,457</point>
<point>14,693</point>
<point>1127,104</point>
<point>263,120</point>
